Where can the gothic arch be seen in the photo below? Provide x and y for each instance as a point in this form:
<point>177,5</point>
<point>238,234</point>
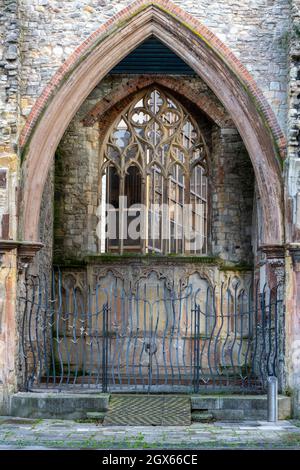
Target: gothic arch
<point>200,49</point>
<point>125,93</point>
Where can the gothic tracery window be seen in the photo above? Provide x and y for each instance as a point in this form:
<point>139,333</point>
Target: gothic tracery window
<point>154,158</point>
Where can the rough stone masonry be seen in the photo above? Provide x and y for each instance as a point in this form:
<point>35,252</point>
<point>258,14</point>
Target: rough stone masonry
<point>37,38</point>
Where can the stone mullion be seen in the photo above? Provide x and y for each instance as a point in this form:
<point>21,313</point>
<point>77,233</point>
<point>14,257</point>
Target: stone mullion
<point>121,213</point>
<point>187,202</point>
<point>165,216</point>
<point>144,214</point>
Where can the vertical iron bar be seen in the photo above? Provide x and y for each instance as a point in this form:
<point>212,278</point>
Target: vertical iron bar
<point>275,372</point>
<point>52,322</point>
<point>254,352</point>
<point>24,333</point>
<point>262,362</point>
<point>37,328</point>
<point>59,315</point>
<point>250,312</point>
<point>217,350</point>
<point>164,337</point>
<point>65,319</point>
<point>105,348</point>
<point>97,335</point>
<point>45,331</point>
<point>32,304</point>
<point>211,336</point>
<point>197,347</point>
<point>270,340</point>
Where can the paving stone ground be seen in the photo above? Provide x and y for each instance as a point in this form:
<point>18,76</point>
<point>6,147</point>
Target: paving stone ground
<point>16,433</point>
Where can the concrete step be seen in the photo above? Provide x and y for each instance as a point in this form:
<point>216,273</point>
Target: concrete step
<point>95,415</point>
<point>57,405</point>
<point>239,407</point>
<point>202,417</point>
<point>78,405</point>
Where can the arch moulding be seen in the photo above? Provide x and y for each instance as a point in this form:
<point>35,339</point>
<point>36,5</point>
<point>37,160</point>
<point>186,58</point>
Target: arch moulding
<point>211,107</point>
<point>203,52</point>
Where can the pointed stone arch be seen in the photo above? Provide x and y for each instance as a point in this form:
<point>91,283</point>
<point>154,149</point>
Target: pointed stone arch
<point>210,107</point>
<point>203,52</point>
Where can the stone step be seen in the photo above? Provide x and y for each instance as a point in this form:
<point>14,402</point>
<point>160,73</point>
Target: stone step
<point>63,405</point>
<point>238,407</point>
<point>57,405</point>
<point>202,417</point>
<point>95,415</point>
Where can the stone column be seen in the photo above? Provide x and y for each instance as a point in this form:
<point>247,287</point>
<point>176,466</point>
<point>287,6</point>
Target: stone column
<point>272,267</point>
<point>293,324</point>
<point>8,340</point>
<point>9,167</point>
<point>14,258</point>
<point>292,206</point>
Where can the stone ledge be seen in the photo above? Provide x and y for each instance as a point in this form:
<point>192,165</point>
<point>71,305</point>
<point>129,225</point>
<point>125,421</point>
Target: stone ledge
<point>26,249</point>
<point>57,405</point>
<point>238,407</point>
<point>77,406</point>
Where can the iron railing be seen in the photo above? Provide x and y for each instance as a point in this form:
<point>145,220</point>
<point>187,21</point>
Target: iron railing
<point>150,337</point>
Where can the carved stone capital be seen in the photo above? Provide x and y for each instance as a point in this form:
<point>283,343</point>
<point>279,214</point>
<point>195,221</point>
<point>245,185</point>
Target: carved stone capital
<point>26,250</point>
<point>273,251</point>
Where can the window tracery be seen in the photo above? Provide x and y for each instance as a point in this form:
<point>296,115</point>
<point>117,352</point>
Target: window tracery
<point>155,157</point>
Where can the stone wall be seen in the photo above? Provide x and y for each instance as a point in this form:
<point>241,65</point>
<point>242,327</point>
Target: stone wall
<point>10,29</point>
<point>293,163</point>
<point>76,173</point>
<point>38,35</point>
<point>255,30</point>
<point>232,197</point>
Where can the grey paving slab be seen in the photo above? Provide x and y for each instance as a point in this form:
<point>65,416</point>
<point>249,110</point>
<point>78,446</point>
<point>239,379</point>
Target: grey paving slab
<point>58,434</point>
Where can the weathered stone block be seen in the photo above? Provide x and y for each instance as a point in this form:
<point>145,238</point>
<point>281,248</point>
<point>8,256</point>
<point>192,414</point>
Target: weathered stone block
<point>56,405</point>
<point>200,402</point>
<point>228,415</point>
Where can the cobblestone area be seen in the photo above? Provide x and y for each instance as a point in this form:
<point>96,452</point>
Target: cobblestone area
<point>16,433</point>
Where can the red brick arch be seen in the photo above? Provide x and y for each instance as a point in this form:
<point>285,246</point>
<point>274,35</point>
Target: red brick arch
<point>198,47</point>
<point>210,105</point>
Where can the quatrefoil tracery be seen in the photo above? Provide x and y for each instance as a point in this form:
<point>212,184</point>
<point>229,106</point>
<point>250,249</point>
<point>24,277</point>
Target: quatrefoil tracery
<point>155,130</point>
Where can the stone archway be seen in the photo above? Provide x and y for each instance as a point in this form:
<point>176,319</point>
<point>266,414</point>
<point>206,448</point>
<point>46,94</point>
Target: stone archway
<point>124,94</point>
<point>198,47</point>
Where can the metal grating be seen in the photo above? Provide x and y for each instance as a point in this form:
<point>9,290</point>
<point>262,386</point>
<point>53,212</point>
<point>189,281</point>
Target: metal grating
<point>146,410</point>
<point>152,56</point>
<point>152,338</point>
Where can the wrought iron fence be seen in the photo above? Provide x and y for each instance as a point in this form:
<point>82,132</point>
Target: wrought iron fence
<point>150,337</point>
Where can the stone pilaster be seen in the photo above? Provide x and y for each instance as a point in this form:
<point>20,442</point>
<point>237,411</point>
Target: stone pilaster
<point>10,30</point>
<point>272,268</point>
<point>293,323</point>
<point>8,330</point>
<point>293,213</point>
<point>14,258</point>
<point>293,161</point>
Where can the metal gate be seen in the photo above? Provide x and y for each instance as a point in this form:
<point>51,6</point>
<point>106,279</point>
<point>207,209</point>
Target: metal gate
<point>150,337</point>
